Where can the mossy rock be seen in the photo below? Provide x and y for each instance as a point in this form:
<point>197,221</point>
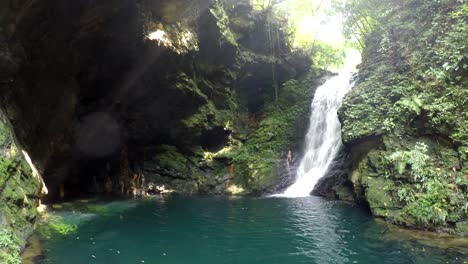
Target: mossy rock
<point>345,193</point>
<point>170,158</point>
<point>462,228</point>
<point>184,186</point>
<point>9,247</point>
<point>379,199</point>
<point>19,193</point>
<point>419,114</point>
<point>219,12</point>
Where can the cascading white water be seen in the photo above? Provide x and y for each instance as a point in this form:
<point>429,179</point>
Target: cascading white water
<point>323,139</point>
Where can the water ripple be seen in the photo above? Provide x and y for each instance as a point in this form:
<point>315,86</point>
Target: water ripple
<point>258,231</point>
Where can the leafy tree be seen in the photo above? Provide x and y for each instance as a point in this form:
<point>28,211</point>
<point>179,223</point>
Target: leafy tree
<point>305,24</point>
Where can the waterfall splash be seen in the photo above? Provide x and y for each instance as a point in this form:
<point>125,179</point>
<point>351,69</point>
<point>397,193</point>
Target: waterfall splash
<point>323,139</point>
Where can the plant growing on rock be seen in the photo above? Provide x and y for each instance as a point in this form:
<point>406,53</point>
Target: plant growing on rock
<point>410,102</point>
<point>416,158</point>
<point>9,247</point>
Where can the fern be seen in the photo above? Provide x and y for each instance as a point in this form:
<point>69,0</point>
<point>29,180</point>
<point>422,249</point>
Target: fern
<point>413,104</point>
<point>416,158</point>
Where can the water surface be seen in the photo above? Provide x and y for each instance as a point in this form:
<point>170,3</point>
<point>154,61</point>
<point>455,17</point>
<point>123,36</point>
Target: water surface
<point>216,230</point>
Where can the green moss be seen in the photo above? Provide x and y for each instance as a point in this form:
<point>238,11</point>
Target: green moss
<point>19,190</point>
<point>255,158</point>
<point>223,23</point>
<point>209,112</point>
<point>201,118</point>
<point>462,227</point>
<point>170,158</point>
<point>189,85</point>
<point>9,247</point>
<point>66,218</point>
<point>409,188</point>
<point>411,90</point>
<point>380,200</point>
<point>65,223</point>
<point>62,228</point>
<point>18,209</point>
<point>427,79</point>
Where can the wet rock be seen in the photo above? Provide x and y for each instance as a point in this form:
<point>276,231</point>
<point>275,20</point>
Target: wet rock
<point>462,228</point>
<point>407,162</point>
<point>20,190</point>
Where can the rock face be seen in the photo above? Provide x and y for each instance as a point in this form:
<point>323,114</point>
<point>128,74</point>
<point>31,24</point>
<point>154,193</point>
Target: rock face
<point>128,97</point>
<point>20,190</point>
<point>405,123</point>
<point>115,97</point>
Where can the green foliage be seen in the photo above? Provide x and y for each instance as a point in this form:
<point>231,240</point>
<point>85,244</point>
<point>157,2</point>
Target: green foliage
<point>360,18</point>
<point>432,197</point>
<point>9,247</point>
<point>416,158</point>
<point>17,205</point>
<point>62,228</point>
<point>170,158</point>
<point>403,76</point>
<point>54,224</point>
<point>413,104</point>
<point>261,4</point>
<point>368,108</point>
<point>222,19</point>
<point>411,92</point>
<point>304,23</point>
<point>66,218</point>
<point>255,158</point>
<point>433,206</point>
<point>326,55</point>
<point>7,167</point>
<point>406,194</point>
<point>5,136</point>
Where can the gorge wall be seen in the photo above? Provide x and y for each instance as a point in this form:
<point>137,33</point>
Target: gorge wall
<point>405,123</point>
<point>105,96</point>
<point>124,96</point>
<point>20,190</point>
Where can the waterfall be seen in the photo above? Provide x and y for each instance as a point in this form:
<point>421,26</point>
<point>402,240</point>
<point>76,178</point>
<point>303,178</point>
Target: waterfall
<point>323,139</point>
